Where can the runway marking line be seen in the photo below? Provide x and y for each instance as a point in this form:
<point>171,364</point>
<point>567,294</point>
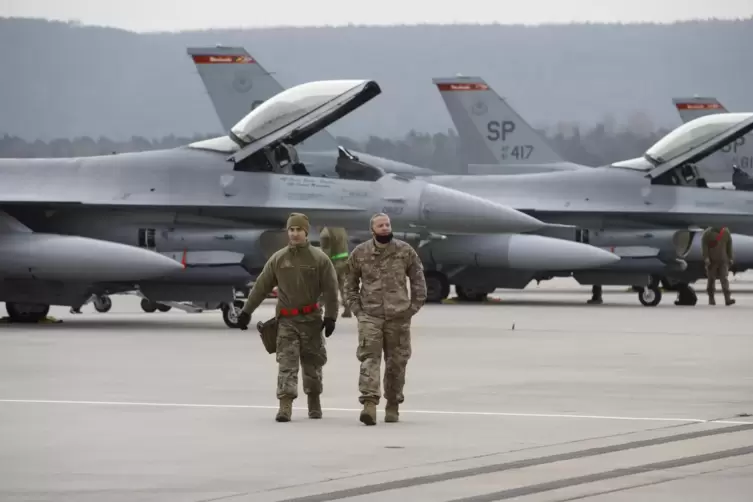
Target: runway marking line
<point>425,412</point>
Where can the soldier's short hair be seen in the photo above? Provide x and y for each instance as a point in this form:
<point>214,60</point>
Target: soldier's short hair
<point>374,217</point>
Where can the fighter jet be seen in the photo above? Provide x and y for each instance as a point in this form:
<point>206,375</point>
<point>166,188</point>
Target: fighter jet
<point>498,135</point>
<point>75,226</point>
<point>736,157</point>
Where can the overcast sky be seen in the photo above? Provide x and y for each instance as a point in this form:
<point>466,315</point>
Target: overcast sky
<point>172,15</point>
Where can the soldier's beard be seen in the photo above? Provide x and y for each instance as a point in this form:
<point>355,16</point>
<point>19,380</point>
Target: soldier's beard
<point>383,239</point>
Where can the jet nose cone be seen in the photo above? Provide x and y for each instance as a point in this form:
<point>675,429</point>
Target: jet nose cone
<point>459,212</point>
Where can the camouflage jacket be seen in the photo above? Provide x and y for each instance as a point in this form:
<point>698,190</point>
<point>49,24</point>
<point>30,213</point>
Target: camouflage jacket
<point>334,242</point>
<point>302,274</point>
<point>381,273</point>
<point>715,248</point>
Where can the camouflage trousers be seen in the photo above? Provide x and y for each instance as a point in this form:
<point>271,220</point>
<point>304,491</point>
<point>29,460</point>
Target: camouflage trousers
<point>341,268</point>
<point>717,270</point>
<point>299,342</point>
<point>377,335</point>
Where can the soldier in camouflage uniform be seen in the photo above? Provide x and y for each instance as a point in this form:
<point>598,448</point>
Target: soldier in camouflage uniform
<point>302,274</point>
<point>718,257</point>
<point>334,243</point>
<point>384,311</point>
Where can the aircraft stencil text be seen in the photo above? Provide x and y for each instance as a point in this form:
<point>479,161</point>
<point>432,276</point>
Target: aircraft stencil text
<point>744,162</point>
<point>499,130</point>
<point>735,145</point>
<point>520,152</point>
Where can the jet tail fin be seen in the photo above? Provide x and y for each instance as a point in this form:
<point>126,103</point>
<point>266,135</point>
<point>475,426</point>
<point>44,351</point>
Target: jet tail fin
<point>237,83</point>
<point>692,108</point>
<point>10,225</point>
<point>490,131</point>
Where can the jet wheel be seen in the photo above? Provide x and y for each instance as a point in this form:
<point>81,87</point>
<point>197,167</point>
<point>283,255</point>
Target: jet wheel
<point>163,308</point>
<point>230,313</point>
<point>148,306</point>
<point>650,296</point>
<point>437,287</point>
<point>27,312</point>
<point>470,294</point>
<point>102,304</point>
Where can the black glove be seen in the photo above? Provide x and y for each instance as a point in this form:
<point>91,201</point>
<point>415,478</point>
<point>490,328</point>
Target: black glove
<point>328,325</point>
<point>243,319</point>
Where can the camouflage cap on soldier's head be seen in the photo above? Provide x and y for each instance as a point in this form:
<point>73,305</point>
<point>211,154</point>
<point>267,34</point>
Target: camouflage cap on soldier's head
<point>298,220</point>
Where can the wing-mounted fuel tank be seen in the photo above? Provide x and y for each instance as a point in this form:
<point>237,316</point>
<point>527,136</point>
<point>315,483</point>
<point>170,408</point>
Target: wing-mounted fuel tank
<point>352,168</point>
<point>669,244</point>
<point>257,245</point>
<point>516,251</point>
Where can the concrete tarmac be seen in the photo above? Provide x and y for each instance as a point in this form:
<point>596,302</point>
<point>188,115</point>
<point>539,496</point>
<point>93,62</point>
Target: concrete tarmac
<point>537,397</point>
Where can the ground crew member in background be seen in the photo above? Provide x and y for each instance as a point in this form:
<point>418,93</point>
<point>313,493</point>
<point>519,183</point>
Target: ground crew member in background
<point>302,274</point>
<point>718,257</point>
<point>384,313</point>
<point>334,243</point>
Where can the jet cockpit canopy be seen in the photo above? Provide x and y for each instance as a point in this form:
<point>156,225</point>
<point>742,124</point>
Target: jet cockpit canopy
<point>707,130</point>
<point>293,115</point>
<point>690,143</point>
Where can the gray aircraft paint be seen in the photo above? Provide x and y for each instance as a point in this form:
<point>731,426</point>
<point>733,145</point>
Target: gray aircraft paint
<point>491,132</point>
<point>739,152</point>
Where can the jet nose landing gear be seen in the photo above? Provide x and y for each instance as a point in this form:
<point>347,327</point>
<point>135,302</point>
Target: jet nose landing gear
<point>650,296</point>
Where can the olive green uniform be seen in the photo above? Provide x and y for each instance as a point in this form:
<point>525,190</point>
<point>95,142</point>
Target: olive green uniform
<point>302,274</point>
<point>716,244</point>
<point>334,243</point>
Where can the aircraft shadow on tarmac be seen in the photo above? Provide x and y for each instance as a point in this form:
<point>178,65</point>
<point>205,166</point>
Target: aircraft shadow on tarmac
<point>548,303</point>
<point>135,323</point>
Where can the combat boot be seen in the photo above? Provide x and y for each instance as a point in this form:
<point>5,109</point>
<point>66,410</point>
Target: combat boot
<point>285,411</point>
<point>315,407</point>
<point>347,313</point>
<point>712,301</point>
<point>368,414</point>
<point>390,412</point>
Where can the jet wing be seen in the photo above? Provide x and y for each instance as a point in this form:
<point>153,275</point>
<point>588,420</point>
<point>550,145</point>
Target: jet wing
<point>695,140</point>
<point>298,113</point>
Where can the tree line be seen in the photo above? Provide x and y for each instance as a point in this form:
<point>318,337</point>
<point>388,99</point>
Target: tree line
<point>593,146</point>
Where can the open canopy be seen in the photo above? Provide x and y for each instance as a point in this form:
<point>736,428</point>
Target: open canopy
<point>691,142</point>
<point>293,115</point>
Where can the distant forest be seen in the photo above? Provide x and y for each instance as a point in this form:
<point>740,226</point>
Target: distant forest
<point>64,80</point>
<point>596,146</point>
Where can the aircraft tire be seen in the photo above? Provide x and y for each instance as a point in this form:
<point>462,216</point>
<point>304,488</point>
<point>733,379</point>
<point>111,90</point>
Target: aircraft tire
<point>470,295</point>
<point>230,314</point>
<point>148,306</point>
<point>102,304</point>
<point>26,312</point>
<point>437,286</point>
<point>163,308</point>
<point>650,296</point>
